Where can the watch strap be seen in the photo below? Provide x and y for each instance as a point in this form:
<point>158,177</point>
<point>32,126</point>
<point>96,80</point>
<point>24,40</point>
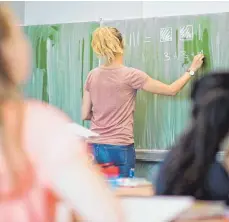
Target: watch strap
<point>191,72</point>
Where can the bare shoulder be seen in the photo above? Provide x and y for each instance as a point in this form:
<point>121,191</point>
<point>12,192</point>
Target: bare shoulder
<point>42,126</point>
<point>48,117</point>
<point>41,113</point>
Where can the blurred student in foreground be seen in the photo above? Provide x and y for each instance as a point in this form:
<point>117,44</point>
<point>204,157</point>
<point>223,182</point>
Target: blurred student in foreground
<point>191,167</point>
<point>42,160</point>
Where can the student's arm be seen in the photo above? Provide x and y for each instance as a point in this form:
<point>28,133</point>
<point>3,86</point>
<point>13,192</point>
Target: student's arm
<point>86,106</point>
<point>157,87</point>
<point>75,180</point>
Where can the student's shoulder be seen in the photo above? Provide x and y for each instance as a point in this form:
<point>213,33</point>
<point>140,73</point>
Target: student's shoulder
<point>43,124</point>
<point>48,117</point>
<point>41,111</point>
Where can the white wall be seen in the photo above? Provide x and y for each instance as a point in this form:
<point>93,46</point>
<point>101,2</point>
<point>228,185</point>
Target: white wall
<point>78,11</point>
<point>18,8</point>
<point>158,9</point>
<point>51,12</point>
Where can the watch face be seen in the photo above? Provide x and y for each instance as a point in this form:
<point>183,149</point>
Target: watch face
<point>192,73</point>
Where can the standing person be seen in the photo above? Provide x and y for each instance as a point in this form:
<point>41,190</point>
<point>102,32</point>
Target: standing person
<point>109,99</point>
<point>42,160</point>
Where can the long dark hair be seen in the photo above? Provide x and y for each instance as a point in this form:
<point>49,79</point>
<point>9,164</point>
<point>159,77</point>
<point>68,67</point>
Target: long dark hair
<point>190,158</point>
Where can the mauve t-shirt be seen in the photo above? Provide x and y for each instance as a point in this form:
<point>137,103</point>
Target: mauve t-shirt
<point>113,92</point>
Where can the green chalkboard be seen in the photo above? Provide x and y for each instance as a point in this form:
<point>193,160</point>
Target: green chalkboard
<point>62,58</point>
<point>164,48</point>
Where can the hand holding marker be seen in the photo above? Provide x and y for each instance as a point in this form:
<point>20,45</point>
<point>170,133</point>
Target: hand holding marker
<point>197,62</point>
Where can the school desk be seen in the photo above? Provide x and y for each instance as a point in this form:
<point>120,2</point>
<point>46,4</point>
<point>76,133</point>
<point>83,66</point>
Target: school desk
<point>147,192</point>
<point>144,191</point>
<point>163,209</point>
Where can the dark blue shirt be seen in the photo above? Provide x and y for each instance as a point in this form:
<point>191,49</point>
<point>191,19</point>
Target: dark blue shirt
<point>216,185</point>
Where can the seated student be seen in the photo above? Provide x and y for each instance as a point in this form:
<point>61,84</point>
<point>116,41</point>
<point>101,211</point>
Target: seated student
<point>42,160</point>
<point>191,167</point>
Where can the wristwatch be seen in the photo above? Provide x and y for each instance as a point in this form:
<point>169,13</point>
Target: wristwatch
<point>191,72</point>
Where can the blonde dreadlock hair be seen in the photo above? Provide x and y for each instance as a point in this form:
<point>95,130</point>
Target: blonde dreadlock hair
<point>107,42</point>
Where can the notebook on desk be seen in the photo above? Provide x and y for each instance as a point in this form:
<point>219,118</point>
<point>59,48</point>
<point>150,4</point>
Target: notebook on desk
<point>133,182</point>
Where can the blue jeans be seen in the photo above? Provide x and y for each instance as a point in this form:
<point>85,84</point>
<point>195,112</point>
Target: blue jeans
<point>121,156</point>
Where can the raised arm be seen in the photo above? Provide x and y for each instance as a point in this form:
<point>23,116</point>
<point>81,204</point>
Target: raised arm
<point>75,180</point>
<point>157,87</point>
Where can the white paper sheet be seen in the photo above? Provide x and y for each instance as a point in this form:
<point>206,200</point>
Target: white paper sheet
<point>81,131</point>
<point>155,209</point>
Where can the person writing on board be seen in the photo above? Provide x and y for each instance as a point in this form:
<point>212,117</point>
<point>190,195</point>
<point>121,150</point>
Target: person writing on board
<point>109,99</point>
<point>43,158</point>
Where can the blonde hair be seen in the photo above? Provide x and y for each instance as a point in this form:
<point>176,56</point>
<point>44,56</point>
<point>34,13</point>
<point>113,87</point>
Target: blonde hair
<point>107,42</point>
<point>11,119</point>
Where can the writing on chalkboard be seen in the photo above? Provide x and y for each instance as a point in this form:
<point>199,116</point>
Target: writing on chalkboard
<point>133,39</point>
<point>147,39</point>
<point>199,30</point>
<point>166,34</point>
<point>180,56</point>
<point>186,32</point>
